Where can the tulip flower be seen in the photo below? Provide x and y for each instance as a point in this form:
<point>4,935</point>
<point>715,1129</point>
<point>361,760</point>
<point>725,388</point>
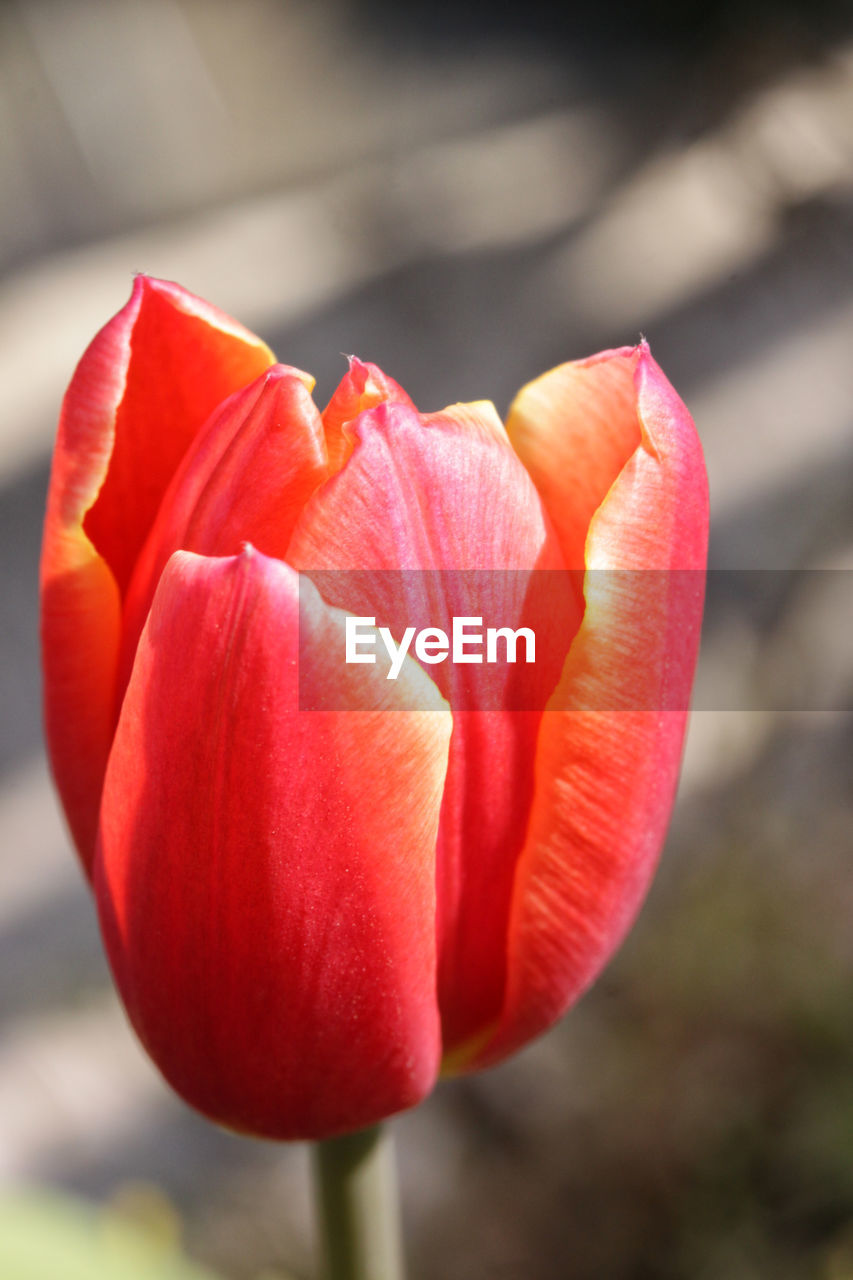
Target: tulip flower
<point>310,913</point>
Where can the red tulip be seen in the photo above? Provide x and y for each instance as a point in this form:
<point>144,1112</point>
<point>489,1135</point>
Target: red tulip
<point>306,911</point>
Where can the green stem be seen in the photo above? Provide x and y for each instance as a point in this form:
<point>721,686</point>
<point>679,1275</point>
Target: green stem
<point>358,1208</point>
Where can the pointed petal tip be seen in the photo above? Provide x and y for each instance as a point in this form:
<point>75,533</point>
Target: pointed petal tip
<point>148,288</point>
<point>278,373</point>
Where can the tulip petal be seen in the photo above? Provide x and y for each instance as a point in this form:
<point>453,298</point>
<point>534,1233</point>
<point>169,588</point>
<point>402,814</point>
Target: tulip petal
<point>147,382</point>
<point>265,875</point>
<point>447,493</point>
<point>605,776</point>
<point>245,478</point>
<point>574,428</point>
<point>411,493</point>
<point>363,386</point>
<point>185,358</point>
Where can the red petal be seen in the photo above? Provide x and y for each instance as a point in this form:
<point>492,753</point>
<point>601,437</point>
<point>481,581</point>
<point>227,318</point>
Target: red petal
<point>605,779</point>
<point>185,357</point>
<point>363,386</point>
<point>574,428</point>
<point>245,478</point>
<point>446,492</point>
<point>265,875</point>
<point>143,387</point>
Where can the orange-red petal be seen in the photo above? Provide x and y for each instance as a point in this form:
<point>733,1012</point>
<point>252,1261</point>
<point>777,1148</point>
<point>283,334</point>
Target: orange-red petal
<point>574,428</point>
<point>244,478</point>
<point>143,388</point>
<point>610,742</point>
<point>185,357</point>
<point>265,875</point>
<point>363,386</point>
<point>441,511</point>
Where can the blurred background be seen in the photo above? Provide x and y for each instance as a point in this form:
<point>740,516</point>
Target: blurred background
<point>469,194</point>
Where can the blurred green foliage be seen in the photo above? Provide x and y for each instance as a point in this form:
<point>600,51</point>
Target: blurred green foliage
<point>51,1237</point>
